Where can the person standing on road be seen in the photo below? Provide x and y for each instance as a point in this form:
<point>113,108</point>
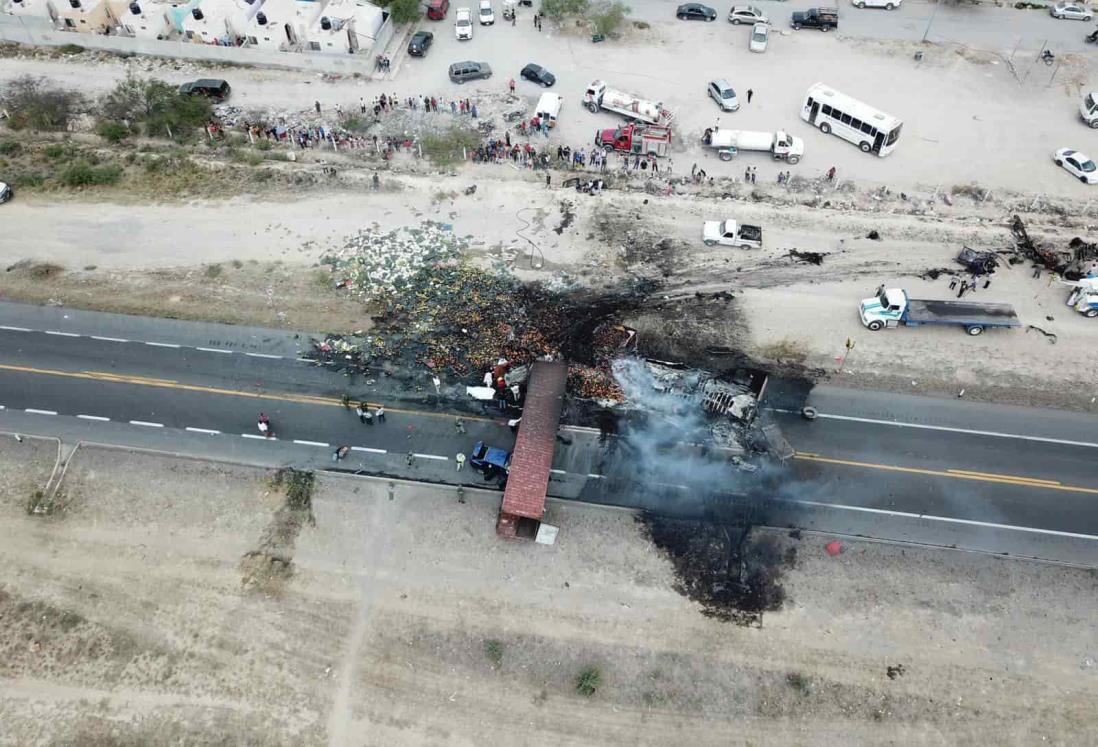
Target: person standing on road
<point>380,413</point>
<point>460,459</point>
<point>361,413</point>
<point>317,105</point>
<point>511,85</point>
<point>460,425</point>
<point>548,180</point>
<point>831,174</point>
<point>410,459</point>
<point>747,175</point>
<point>367,417</point>
<point>750,93</point>
<point>362,104</point>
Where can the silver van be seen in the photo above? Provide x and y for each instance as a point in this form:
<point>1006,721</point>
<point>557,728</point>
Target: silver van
<point>463,71</point>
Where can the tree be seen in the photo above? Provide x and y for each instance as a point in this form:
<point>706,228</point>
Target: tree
<point>402,11</point>
<point>607,17</point>
<point>156,105</point>
<point>561,8</point>
<point>36,103</point>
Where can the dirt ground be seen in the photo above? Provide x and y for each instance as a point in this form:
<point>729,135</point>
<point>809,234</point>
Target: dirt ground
<point>177,601</point>
<point>785,310</point>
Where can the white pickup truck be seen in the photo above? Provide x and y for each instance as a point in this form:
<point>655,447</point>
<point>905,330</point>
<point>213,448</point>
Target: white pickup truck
<point>781,145</point>
<point>600,96</point>
<point>731,233</point>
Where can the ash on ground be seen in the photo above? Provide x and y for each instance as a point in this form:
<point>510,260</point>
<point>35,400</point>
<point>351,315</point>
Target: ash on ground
<point>734,575</point>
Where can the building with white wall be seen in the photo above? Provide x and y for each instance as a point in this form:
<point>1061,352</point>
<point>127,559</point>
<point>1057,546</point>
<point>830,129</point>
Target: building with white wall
<point>282,24</point>
<point>84,16</point>
<point>142,19</point>
<point>344,27</point>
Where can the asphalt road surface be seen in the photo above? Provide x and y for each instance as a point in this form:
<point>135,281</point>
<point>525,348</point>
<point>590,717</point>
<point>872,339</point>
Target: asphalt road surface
<point>980,27</point>
<point>945,472</point>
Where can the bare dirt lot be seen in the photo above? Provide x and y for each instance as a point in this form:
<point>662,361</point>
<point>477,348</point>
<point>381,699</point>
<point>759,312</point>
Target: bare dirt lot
<point>175,601</point>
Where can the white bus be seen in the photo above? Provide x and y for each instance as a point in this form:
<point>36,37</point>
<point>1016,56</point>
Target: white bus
<point>871,130</point>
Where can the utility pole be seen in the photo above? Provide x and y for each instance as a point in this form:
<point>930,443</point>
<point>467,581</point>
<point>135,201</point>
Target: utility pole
<point>932,15</point>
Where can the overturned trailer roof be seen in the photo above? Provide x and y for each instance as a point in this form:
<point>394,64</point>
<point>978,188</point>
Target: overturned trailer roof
<point>532,459</point>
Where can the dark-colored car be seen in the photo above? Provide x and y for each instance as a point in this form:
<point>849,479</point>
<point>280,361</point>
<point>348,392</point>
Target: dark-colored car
<point>436,9</point>
<point>538,74</point>
<point>463,71</point>
<point>695,12</point>
<point>823,19</point>
<point>490,460</point>
<point>420,43</point>
<point>218,90</point>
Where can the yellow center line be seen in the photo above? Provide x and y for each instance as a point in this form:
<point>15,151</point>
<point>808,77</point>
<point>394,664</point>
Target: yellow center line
<point>1035,480</point>
<point>1027,482</point>
<point>308,399</point>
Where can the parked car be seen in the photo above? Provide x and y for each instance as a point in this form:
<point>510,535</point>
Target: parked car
<point>721,92</point>
<point>1077,164</point>
<point>823,19</point>
<point>218,90</point>
<point>746,14</point>
<point>886,4</point>
<point>489,459</point>
<point>419,44</point>
<point>695,12</point>
<point>436,9</point>
<point>461,72</point>
<point>760,37</point>
<point>6,193</point>
<point>1071,11</point>
<point>487,15</point>
<point>538,74</point>
<point>463,24</point>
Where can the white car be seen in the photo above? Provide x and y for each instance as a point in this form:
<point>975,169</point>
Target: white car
<point>760,35</point>
<point>721,92</point>
<point>5,193</point>
<point>1071,11</point>
<point>886,4</point>
<point>1077,164</point>
<point>463,24</point>
<point>746,14</point>
<point>487,15</point>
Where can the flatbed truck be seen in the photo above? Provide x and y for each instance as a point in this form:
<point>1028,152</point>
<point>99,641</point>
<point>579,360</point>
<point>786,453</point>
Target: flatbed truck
<point>891,307</point>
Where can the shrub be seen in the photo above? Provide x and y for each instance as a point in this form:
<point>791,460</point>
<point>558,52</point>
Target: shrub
<point>444,149</point>
<point>83,174</point>
<point>588,681</point>
<point>10,147</point>
<point>112,131</point>
<point>38,104</point>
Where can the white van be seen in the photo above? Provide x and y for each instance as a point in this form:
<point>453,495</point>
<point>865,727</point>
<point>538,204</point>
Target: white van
<point>549,107</point>
<point>463,24</point>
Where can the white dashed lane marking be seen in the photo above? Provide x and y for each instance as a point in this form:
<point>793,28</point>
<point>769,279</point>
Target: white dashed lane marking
<point>146,423</point>
<point>98,418</point>
<point>32,411</point>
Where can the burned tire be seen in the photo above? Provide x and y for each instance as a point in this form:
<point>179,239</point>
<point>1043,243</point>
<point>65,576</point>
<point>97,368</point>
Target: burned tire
<point>809,413</point>
<point>974,330</point>
<point>875,325</point>
<point>825,128</point>
<point>865,147</point>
